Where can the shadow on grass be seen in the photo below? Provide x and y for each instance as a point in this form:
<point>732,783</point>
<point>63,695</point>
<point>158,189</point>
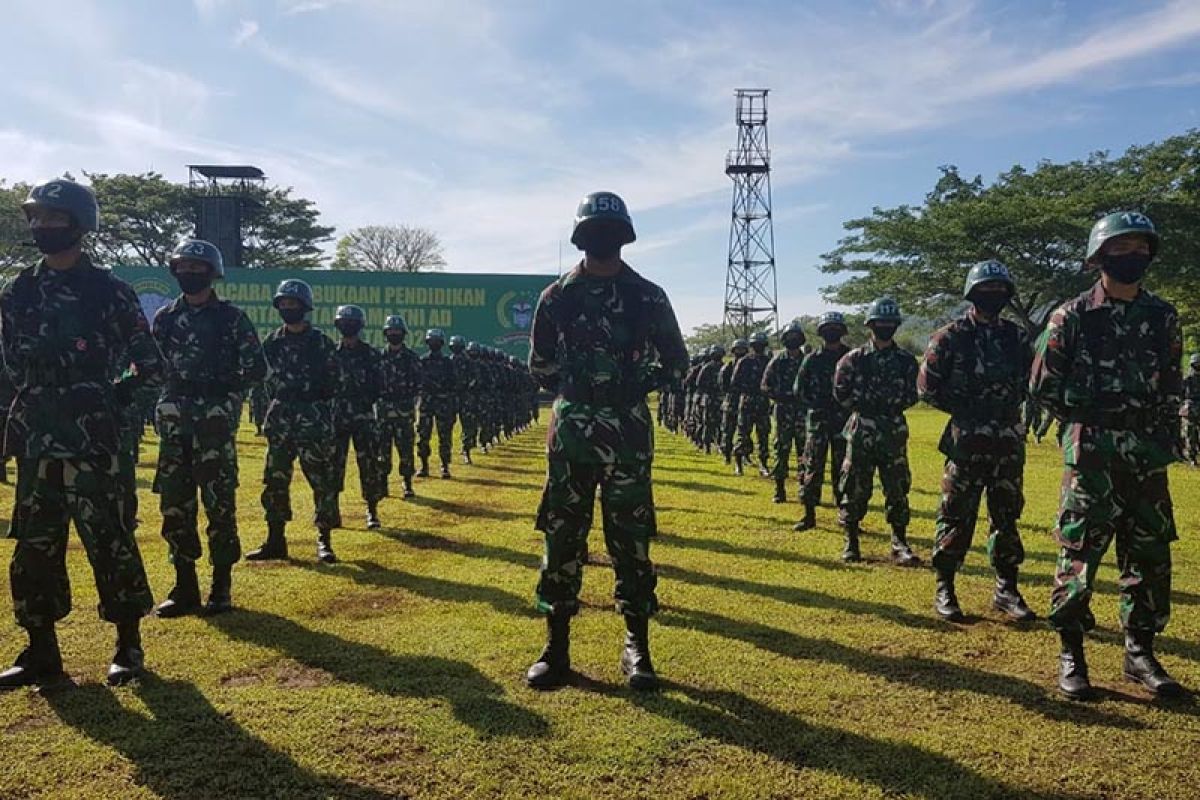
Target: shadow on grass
<point>699,486</point>
<point>421,540</point>
<point>468,511</point>
<point>751,551</point>
<point>186,748</point>
<point>474,698</point>
<point>922,673</point>
<point>528,486</point>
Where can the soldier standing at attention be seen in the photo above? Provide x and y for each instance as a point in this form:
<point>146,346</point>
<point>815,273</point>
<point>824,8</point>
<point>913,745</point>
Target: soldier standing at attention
<point>8,392</point>
<point>301,383</point>
<point>876,383</point>
<point>1107,366</point>
<point>437,402</point>
<point>354,411</point>
<point>212,354</point>
<point>466,381</point>
<point>824,420</point>
<point>401,369</point>
<point>709,394</point>
<point>754,412</point>
<point>976,369</point>
<point>730,398</point>
<point>1189,412</point>
<point>61,324</point>
<point>779,384</point>
<point>603,338</point>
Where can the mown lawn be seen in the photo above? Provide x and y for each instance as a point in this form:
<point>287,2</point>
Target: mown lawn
<point>787,674</point>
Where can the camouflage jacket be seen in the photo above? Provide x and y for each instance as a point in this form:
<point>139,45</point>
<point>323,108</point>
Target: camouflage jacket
<point>1191,395</point>
<point>779,378</point>
<point>466,374</point>
<point>814,384</point>
<point>401,373</point>
<point>302,380</point>
<point>707,382</point>
<point>729,398</point>
<point>61,332</point>
<point>210,351</point>
<point>1110,370</point>
<point>978,373</point>
<point>691,376</point>
<point>437,375</point>
<point>746,378</point>
<point>876,385</point>
<point>360,381</point>
<point>601,345</point>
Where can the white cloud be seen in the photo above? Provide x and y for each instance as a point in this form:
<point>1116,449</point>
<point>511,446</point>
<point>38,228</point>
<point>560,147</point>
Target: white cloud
<point>246,30</point>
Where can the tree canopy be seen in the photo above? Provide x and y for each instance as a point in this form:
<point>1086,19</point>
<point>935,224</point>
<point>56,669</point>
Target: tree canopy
<point>390,248</point>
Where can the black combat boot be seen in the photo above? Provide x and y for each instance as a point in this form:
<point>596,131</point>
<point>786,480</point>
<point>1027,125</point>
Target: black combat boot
<point>445,469</point>
<point>484,448</point>
<point>373,515</point>
<point>553,667</point>
<point>902,554</point>
<point>728,457</point>
<point>274,548</point>
<point>467,457</point>
<point>423,472</point>
<point>737,466</point>
<point>184,599</point>
<point>780,492</point>
<point>1142,667</point>
<point>1072,667</point>
<point>945,600</point>
<point>763,469</point>
<point>809,520</point>
<point>38,664</point>
<point>325,552</point>
<point>635,656</point>
<point>220,599</point>
<point>850,553</point>
<point>129,660</point>
<point>1007,598</point>
<point>408,489</point>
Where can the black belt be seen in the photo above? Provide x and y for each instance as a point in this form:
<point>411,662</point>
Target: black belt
<point>600,395</point>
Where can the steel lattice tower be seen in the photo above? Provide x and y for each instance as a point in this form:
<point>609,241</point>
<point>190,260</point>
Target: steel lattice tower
<point>750,286</point>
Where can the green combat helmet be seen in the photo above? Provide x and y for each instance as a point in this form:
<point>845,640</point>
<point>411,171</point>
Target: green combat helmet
<point>885,309</point>
<point>602,208</point>
<point>395,322</point>
<point>473,348</point>
<point>435,334</point>
<point>792,331</point>
<point>758,337</point>
<point>1119,224</point>
<point>292,287</point>
<point>198,250</point>
<point>986,272</point>
<point>73,199</point>
<point>716,352</point>
<point>831,318</point>
<point>457,343</point>
<point>353,313</point>
<point>739,344</point>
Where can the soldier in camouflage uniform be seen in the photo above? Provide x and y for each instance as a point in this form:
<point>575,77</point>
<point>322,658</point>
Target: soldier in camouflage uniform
<point>397,405</point>
<point>466,386</point>
<point>976,369</point>
<point>779,384</point>
<point>438,403</point>
<point>302,379</point>
<point>1189,412</point>
<point>61,324</point>
<point>354,411</point>
<point>1108,367</point>
<point>691,416</point>
<point>876,383</point>
<point>489,386</point>
<point>8,392</point>
<point>754,409</point>
<point>258,406</point>
<point>824,419</point>
<point>603,338</point>
<point>730,398</point>
<point>708,392</point>
<point>211,354</point>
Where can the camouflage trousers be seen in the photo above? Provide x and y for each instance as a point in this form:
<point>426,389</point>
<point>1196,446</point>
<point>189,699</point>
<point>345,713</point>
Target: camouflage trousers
<point>468,420</point>
<point>710,420</point>
<point>565,517</point>
<point>753,427</point>
<point>963,486</point>
<point>863,457</point>
<point>363,433</point>
<point>202,461</point>
<point>823,440</point>
<point>397,432</point>
<point>729,417</point>
<point>1097,506</point>
<point>442,411</point>
<point>1189,429</point>
<point>51,493</point>
<point>316,457</point>
<point>127,461</point>
<point>789,436</point>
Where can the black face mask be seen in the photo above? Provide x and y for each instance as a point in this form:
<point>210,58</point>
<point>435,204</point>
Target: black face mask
<point>56,240</point>
<point>348,327</point>
<point>793,343</point>
<point>291,315</point>
<point>193,282</point>
<point>395,338</point>
<point>990,302</point>
<point>884,333</point>
<point>1129,268</point>
<point>435,346</point>
<point>832,337</point>
<point>758,349</point>
<point>602,244</point>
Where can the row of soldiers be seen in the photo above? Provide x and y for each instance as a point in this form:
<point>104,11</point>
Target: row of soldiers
<point>79,351</point>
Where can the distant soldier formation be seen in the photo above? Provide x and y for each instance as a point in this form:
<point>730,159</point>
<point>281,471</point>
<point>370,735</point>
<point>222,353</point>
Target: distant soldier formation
<point>84,371</point>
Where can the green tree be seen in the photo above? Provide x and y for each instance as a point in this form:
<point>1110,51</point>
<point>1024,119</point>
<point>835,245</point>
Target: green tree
<point>15,242</point>
<point>142,217</point>
<point>390,248</point>
<point>284,232</point>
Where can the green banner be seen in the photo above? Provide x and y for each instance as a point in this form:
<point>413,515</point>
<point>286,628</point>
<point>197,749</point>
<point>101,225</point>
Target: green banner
<point>494,310</point>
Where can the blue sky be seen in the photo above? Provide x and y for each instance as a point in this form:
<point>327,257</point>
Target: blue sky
<point>486,121</point>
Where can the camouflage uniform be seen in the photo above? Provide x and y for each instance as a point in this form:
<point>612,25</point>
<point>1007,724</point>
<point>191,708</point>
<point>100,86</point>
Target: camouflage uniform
<point>301,383</point>
<point>824,422</point>
<point>1189,414</point>
<point>354,419</point>
<point>61,330</point>
<point>594,342</point>
<point>876,385</point>
<point>438,404</point>
<point>211,353</point>
<point>754,412</point>
<point>1111,371</point>
<point>8,392</point>
<point>258,406</point>
<point>779,384</point>
<point>466,389</point>
<point>708,392</point>
<point>692,413</point>
<point>729,405</point>
<point>397,407</point>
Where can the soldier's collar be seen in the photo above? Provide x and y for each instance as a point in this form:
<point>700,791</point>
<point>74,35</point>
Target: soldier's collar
<point>82,265</point>
<point>1098,298</point>
<point>625,275</point>
<point>181,302</point>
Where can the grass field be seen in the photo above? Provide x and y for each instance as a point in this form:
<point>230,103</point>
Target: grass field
<point>787,674</point>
